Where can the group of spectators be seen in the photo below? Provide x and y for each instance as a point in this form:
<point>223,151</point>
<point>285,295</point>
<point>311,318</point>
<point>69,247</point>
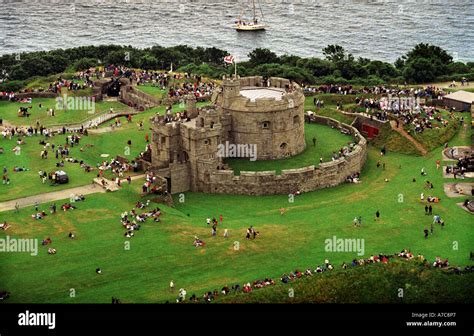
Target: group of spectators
<point>429,91</point>
<point>326,266</point>
<point>130,220</point>
<point>72,85</point>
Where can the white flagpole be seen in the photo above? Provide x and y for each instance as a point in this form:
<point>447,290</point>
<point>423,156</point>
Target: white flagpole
<point>235,66</point>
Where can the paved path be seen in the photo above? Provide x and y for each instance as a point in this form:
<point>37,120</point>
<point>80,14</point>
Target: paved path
<point>401,131</point>
<point>51,196</point>
<point>57,195</point>
<point>89,124</point>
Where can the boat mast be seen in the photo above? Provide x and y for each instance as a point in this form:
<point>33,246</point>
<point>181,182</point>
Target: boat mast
<point>254,12</point>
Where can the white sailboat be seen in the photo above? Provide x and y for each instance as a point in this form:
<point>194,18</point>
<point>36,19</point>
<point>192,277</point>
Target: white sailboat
<point>255,25</point>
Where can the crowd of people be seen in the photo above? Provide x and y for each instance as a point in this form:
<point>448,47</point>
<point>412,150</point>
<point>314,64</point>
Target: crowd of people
<point>131,221</point>
<point>429,91</point>
<point>286,278</point>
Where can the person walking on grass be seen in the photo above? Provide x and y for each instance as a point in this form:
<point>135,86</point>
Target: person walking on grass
<point>430,210</point>
<point>171,286</point>
<point>432,228</point>
<point>314,141</point>
<point>426,233</point>
<point>17,207</point>
<point>426,210</point>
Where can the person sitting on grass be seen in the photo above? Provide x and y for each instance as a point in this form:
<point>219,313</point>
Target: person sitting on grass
<point>71,235</point>
<point>198,242</point>
<point>39,215</point>
<point>4,226</point>
<point>181,295</point>
<point>247,288</point>
<point>51,250</point>
<point>67,206</point>
<point>433,199</point>
<point>79,198</point>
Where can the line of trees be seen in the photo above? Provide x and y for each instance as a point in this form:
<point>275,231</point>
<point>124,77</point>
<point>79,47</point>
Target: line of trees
<point>424,63</point>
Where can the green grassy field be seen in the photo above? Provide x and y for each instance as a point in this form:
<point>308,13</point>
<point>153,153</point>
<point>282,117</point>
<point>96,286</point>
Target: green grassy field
<point>152,90</point>
<point>9,112</point>
<point>28,183</point>
<point>161,252</point>
<point>439,134</point>
<point>113,143</point>
<point>327,141</point>
<point>375,283</point>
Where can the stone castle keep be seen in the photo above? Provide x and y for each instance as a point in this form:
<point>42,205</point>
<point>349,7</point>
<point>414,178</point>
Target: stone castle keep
<point>268,114</point>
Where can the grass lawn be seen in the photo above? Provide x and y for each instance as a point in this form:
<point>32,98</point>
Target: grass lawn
<point>439,134</point>
<point>152,90</point>
<point>393,142</point>
<point>113,143</point>
<point>328,111</point>
<point>161,252</point>
<point>327,141</point>
<point>28,183</point>
<point>9,112</point>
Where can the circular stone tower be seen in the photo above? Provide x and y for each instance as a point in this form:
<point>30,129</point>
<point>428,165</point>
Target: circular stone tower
<point>268,113</point>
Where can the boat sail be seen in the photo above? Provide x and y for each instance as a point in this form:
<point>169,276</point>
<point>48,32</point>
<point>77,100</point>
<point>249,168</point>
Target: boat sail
<point>255,25</point>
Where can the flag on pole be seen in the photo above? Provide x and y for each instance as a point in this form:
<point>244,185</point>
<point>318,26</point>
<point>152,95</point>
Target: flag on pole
<point>229,59</point>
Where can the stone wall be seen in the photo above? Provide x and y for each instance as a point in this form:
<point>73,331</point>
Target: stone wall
<point>43,94</point>
<point>304,179</point>
<point>135,98</point>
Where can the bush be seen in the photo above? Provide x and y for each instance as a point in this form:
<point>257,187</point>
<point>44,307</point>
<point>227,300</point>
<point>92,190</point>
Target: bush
<point>14,85</point>
<point>85,63</point>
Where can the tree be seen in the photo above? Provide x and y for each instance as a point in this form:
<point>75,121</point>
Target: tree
<point>262,56</point>
<point>290,60</point>
<point>420,70</point>
<point>458,68</point>
<point>316,66</point>
<point>85,63</point>
<point>36,66</point>
<point>428,51</point>
<point>437,58</point>
<point>334,53</point>
<point>149,62</point>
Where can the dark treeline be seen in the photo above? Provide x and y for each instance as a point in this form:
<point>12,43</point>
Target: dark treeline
<point>424,63</point>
